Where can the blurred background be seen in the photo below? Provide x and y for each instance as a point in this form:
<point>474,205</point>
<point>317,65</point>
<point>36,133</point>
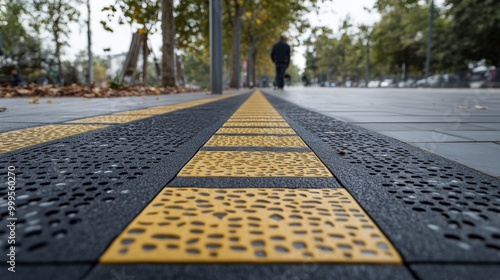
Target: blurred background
<point>371,43</point>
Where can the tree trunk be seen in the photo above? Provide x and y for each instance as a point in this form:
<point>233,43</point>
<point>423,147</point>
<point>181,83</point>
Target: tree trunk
<point>168,33</point>
<point>145,54</point>
<point>235,56</point>
<point>250,63</point>
<point>58,59</point>
<point>254,59</point>
<point>235,46</point>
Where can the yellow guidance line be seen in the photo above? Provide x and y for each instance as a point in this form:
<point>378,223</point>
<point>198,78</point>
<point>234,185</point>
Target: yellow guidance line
<point>250,225</point>
<point>194,225</point>
<point>17,139</point>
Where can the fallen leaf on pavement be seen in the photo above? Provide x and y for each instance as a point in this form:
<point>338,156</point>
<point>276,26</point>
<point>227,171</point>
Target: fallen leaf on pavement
<point>33,100</point>
<point>341,152</point>
<point>479,107</point>
<point>3,109</point>
<point>463,107</point>
<point>8,95</point>
<point>49,101</point>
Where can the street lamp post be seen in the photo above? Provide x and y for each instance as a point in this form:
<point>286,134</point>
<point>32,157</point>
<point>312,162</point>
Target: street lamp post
<point>216,46</point>
<point>90,74</point>
<point>429,41</point>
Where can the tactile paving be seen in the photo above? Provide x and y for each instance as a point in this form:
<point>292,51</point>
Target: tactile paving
<point>255,130</point>
<point>257,124</point>
<point>62,186</point>
<point>112,119</point>
<point>254,164</point>
<point>194,225</point>
<point>14,140</point>
<point>456,207</point>
<point>256,141</point>
<point>150,111</point>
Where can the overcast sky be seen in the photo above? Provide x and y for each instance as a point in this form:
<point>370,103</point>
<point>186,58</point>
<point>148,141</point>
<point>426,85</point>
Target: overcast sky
<point>331,14</point>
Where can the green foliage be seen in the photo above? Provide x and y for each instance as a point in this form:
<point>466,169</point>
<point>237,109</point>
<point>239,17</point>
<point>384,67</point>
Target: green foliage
<point>116,83</point>
<point>473,32</point>
<point>197,68</point>
<point>22,50</point>
<point>144,13</point>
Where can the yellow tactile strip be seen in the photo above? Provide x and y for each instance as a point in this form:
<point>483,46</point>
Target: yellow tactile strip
<point>112,119</point>
<point>17,139</point>
<point>254,130</point>
<point>263,124</point>
<point>133,115</point>
<point>197,225</point>
<point>254,164</point>
<point>256,141</point>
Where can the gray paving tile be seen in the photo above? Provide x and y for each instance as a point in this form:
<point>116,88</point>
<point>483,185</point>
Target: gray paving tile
<point>486,136</point>
<point>457,272</point>
<point>480,156</point>
<point>440,127</point>
<point>495,126</point>
<point>422,136</point>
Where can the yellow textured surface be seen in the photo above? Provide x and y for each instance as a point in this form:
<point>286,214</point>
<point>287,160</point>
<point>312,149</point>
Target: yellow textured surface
<point>256,119</point>
<point>262,124</point>
<point>196,225</point>
<point>111,119</point>
<point>13,140</point>
<point>255,130</point>
<point>254,164</point>
<point>150,111</point>
<point>256,141</point>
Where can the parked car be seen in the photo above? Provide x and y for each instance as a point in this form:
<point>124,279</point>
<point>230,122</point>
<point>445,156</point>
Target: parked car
<point>434,81</point>
<point>387,83</point>
<point>451,80</point>
<point>374,84</point>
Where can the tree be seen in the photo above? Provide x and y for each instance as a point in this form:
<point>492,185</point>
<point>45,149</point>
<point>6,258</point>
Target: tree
<point>55,16</point>
<point>168,47</point>
<point>473,29</point>
<point>22,50</point>
<point>141,13</point>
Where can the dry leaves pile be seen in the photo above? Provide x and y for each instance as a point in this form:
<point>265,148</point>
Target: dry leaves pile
<point>82,91</point>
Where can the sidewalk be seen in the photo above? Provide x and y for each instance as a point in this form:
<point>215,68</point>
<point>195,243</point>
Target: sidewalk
<point>462,125</point>
<point>239,186</point>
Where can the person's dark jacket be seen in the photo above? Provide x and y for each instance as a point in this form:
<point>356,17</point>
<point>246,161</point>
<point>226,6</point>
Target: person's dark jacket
<point>280,53</point>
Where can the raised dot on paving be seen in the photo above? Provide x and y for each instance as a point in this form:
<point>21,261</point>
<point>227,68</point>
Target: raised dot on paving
<point>254,164</point>
<point>256,141</point>
<point>112,119</point>
<point>196,225</point>
<point>17,139</point>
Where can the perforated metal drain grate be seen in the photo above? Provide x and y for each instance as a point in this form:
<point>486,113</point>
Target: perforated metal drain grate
<point>61,187</point>
<point>112,119</point>
<point>467,202</point>
<point>254,164</point>
<point>256,141</point>
<point>255,130</point>
<point>14,140</point>
<point>252,225</point>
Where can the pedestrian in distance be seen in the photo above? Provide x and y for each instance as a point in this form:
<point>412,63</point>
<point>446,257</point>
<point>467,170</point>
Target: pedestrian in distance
<point>16,79</point>
<point>280,55</point>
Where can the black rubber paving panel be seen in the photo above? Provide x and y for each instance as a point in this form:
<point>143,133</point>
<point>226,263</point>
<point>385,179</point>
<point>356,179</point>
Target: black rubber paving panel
<point>252,272</point>
<point>457,272</point>
<point>432,209</point>
<point>219,182</point>
<point>45,272</point>
<point>75,195</point>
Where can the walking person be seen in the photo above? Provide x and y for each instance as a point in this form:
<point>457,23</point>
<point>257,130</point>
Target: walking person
<point>280,55</point>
